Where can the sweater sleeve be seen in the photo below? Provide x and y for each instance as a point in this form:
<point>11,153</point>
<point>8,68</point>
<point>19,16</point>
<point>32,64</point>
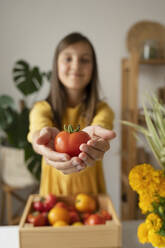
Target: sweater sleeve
<point>40,116</point>
<point>104,116</point>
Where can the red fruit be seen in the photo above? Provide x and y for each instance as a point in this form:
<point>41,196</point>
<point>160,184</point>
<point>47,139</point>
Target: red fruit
<point>69,141</point>
<point>94,219</point>
<point>85,216</point>
<point>37,219</point>
<point>45,214</point>
<point>38,206</point>
<point>71,208</point>
<point>105,214</point>
<point>49,202</point>
<point>40,220</point>
<point>74,217</point>
<point>61,204</point>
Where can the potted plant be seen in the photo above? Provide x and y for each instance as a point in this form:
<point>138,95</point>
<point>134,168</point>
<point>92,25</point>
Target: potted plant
<point>14,123</point>
<point>147,180</point>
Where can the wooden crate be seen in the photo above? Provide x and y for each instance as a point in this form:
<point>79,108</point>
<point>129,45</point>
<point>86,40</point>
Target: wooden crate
<point>98,236</point>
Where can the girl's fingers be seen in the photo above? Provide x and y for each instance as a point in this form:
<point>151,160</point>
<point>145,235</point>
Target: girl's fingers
<point>46,134</point>
<point>78,164</point>
<point>92,152</point>
<point>76,161</point>
<point>100,144</point>
<point>104,133</point>
<point>52,155</point>
<point>66,171</point>
<point>43,139</point>
<point>69,171</point>
<point>86,159</point>
<point>59,165</point>
<point>99,131</point>
<point>71,166</point>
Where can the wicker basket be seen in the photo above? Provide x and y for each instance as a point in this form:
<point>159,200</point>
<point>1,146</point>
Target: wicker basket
<point>13,168</point>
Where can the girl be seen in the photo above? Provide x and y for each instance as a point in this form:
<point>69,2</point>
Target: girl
<point>73,100</point>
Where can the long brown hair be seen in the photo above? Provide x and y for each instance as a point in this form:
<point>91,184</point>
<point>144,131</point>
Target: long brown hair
<point>57,96</point>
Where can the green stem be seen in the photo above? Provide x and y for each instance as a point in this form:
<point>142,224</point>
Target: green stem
<point>70,129</point>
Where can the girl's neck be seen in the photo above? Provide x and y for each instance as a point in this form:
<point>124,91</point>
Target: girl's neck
<point>74,98</point>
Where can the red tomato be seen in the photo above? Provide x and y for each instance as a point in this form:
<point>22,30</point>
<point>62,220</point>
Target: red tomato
<point>105,214</point>
<point>40,220</point>
<point>49,202</point>
<point>61,204</point>
<point>30,218</point>
<point>45,214</point>
<point>94,219</point>
<point>38,206</point>
<point>74,216</point>
<point>69,141</point>
<point>37,219</point>
<point>71,208</point>
<point>85,216</point>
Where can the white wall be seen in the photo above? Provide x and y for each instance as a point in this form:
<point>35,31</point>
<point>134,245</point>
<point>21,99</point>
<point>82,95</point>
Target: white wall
<point>31,29</point>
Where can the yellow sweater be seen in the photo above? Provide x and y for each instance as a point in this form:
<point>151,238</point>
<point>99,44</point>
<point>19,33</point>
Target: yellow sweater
<point>89,180</point>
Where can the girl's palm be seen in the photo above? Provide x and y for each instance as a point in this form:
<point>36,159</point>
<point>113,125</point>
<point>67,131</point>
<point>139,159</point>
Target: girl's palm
<point>98,131</point>
<point>97,145</point>
<point>47,136</point>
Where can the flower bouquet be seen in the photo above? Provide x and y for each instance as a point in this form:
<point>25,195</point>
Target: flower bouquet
<point>149,182</point>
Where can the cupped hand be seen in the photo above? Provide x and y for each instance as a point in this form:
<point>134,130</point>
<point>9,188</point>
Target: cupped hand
<point>44,144</point>
<point>97,145</point>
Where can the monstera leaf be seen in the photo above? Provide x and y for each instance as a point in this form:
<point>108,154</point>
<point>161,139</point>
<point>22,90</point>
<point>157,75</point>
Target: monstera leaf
<point>14,123</point>
<point>28,80</point>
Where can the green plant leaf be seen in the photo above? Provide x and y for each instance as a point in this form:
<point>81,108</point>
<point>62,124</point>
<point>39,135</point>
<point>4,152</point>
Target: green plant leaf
<point>159,122</point>
<point>15,123</point>
<point>27,80</point>
<point>47,75</point>
<point>153,147</point>
<point>12,131</point>
<point>152,130</point>
<point>6,118</point>
<point>23,126</point>
<point>33,160</point>
<point>7,102</point>
<point>136,127</point>
<point>34,166</point>
<point>155,130</point>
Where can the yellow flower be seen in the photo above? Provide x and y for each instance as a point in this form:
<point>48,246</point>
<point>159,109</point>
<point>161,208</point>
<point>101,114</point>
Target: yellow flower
<point>142,233</point>
<point>156,239</point>
<point>153,222</point>
<point>145,203</point>
<point>143,178</point>
<point>161,188</point>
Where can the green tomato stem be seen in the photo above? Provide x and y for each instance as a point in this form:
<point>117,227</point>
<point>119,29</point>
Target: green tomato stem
<point>70,129</point>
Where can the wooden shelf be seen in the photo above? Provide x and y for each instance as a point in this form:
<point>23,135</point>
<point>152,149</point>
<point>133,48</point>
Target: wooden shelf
<point>131,154</point>
<point>152,61</point>
<point>130,112</point>
<point>127,62</point>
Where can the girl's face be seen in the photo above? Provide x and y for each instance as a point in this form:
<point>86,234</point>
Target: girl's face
<point>75,66</point>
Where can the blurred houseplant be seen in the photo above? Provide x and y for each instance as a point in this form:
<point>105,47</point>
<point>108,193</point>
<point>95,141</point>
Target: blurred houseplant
<point>149,182</point>
<point>14,124</point>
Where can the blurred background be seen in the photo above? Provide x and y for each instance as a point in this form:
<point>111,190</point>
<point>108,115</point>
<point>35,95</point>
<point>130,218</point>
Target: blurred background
<point>30,31</point>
